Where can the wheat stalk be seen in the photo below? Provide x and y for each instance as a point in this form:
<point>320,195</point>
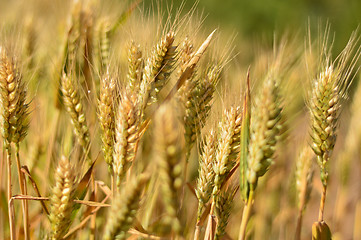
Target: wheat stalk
<point>304,176</point>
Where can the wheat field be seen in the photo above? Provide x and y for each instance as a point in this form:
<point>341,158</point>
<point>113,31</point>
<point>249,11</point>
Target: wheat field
<point>122,121</point>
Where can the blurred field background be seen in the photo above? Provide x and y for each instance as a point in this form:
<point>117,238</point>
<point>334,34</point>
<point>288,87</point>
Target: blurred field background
<point>265,37</point>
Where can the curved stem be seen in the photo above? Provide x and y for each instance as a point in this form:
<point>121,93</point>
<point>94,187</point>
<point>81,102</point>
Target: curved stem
<point>246,214</point>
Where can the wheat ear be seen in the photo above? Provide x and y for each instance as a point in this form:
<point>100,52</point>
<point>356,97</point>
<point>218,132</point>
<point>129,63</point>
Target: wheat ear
<point>126,135</point>
<point>167,146</point>
<point>329,89</point>
<point>223,207</point>
<point>74,107</point>
<point>228,146</point>
<point>103,44</point>
<point>197,103</point>
<point>157,70</point>
<point>135,66</point>
<point>124,208</point>
<point>62,198</point>
<point>14,121</point>
<point>106,108</point>
<point>264,130</point>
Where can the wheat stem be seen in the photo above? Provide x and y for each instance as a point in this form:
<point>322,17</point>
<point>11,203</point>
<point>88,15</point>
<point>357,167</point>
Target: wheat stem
<point>246,215</point>
<point>9,191</point>
<point>22,189</point>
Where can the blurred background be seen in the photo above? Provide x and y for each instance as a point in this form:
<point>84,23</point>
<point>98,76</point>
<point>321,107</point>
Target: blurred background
<point>260,19</point>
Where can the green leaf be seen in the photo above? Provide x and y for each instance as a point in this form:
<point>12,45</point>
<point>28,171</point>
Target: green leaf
<point>245,136</point>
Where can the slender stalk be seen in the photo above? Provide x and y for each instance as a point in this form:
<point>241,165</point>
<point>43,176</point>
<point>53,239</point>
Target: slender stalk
<point>322,203</point>
<point>197,232</point>
<point>10,208</point>
<point>24,202</point>
<point>299,225</point>
<point>93,217</point>
<point>246,214</point>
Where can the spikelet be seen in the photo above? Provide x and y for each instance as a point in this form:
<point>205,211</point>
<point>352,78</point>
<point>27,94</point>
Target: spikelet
<point>75,109</point>
<point>223,207</point>
<point>264,129</point>
<point>228,146</point>
<point>106,115</point>
<point>126,134</point>
<point>102,44</point>
<point>205,181</point>
<point>170,167</point>
<point>157,70</point>
<point>13,100</point>
<point>135,66</point>
<point>304,176</point>
<point>197,103</point>
<point>123,210</point>
<point>62,198</point>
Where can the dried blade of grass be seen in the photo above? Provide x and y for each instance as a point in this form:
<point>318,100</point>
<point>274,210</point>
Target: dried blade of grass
<point>86,219</point>
<point>25,170</point>
<point>191,66</point>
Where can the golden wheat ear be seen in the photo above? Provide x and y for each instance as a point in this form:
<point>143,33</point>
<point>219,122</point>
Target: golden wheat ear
<point>157,70</point>
<point>62,199</point>
<point>75,109</point>
<point>169,153</point>
<point>127,134</point>
<point>107,105</point>
<point>124,208</point>
<point>329,89</point>
<point>205,181</point>
<point>228,146</point>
